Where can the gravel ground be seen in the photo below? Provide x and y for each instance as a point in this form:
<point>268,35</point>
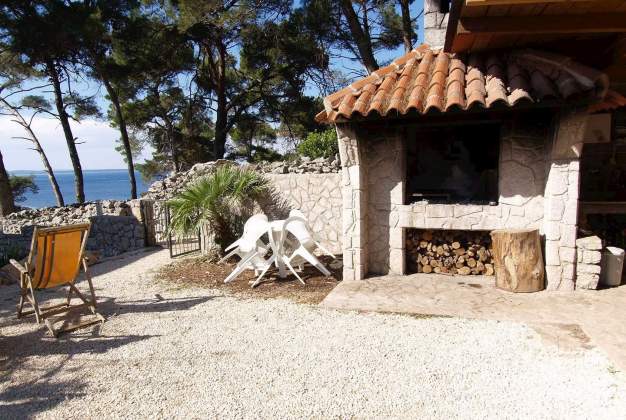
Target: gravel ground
<point>167,351</point>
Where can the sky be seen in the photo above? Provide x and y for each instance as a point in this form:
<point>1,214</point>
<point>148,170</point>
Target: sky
<point>97,140</point>
<point>96,145</point>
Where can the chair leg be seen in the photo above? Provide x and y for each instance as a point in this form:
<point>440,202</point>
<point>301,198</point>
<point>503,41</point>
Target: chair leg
<point>20,305</point>
<point>312,259</point>
<point>33,301</point>
<point>227,256</point>
<point>269,265</point>
<point>240,267</point>
<point>69,297</point>
<point>294,272</point>
<point>91,290</point>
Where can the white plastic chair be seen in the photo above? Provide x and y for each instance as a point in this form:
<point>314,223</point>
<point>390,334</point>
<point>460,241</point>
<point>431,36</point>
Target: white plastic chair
<point>298,214</point>
<point>296,225</point>
<point>249,247</point>
<point>277,240</point>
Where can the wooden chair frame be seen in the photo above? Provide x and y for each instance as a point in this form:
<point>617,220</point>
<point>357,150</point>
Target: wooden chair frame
<point>27,286</point>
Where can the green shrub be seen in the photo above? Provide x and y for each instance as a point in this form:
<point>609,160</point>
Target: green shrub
<point>216,203</point>
<point>319,144</point>
<point>20,185</point>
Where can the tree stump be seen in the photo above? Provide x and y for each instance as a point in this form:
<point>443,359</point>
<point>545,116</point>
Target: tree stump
<point>518,260</point>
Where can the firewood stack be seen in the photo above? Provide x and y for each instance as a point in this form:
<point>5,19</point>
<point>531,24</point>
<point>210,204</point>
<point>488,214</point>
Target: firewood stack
<point>449,252</point>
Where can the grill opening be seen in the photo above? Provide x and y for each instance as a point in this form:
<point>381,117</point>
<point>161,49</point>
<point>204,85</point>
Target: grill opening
<point>457,164</point>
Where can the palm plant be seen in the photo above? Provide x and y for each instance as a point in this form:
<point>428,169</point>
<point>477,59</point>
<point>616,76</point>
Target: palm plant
<point>217,203</point>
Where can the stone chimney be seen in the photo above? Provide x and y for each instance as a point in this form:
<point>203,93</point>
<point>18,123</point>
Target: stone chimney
<point>435,22</point>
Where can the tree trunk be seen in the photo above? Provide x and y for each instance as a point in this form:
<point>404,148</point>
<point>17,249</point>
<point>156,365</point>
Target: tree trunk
<point>172,143</point>
<point>407,29</point>
<point>67,130</point>
<point>7,204</point>
<point>221,117</point>
<point>361,37</point>
<point>124,136</point>
<point>37,146</point>
<point>518,260</point>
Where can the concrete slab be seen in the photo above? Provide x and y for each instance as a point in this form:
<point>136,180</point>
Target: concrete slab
<point>568,319</point>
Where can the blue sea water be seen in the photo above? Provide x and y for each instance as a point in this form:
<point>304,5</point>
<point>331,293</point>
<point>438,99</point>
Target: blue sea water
<point>104,184</point>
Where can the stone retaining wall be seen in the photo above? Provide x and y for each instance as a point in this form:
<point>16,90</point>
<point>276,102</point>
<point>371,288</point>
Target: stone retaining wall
<point>118,226</point>
<point>109,236</point>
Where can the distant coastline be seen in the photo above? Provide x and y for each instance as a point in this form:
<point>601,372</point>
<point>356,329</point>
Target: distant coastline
<point>100,184</point>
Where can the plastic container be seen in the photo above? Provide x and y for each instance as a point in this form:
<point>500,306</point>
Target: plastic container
<point>612,266</point>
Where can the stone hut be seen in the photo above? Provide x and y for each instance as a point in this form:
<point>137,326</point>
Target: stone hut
<point>464,142</point>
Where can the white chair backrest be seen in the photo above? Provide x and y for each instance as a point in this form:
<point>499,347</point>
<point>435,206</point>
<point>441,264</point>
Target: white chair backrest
<point>297,213</point>
<point>255,227</point>
<point>297,226</point>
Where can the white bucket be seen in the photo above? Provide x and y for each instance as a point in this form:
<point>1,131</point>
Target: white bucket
<point>612,265</point>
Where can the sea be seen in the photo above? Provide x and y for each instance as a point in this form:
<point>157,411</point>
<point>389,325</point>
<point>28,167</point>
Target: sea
<point>102,184</point>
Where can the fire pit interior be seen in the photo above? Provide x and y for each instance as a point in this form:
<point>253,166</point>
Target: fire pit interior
<point>449,252</point>
<point>453,164</point>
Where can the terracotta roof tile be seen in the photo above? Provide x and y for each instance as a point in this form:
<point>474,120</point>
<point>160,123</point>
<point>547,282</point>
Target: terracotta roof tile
<point>427,80</point>
<point>612,100</point>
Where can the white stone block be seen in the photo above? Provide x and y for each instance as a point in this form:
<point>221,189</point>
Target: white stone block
<point>417,220</point>
<point>534,209</point>
<point>418,207</point>
<point>354,174</point>
<point>588,268</point>
<point>404,218</point>
<point>439,210</point>
<point>567,254</point>
<point>393,218</point>
<point>555,208</point>
<point>587,281</point>
<point>396,238</point>
<point>396,261</point>
<point>568,238</point>
<point>517,211</point>
<point>570,215</point>
<point>495,211</point>
<point>591,257</point>
<point>552,253</point>
<point>553,277</point>
<point>568,272</point>
<point>461,210</point>
<point>552,231</point>
<point>557,182</point>
<point>437,223</point>
<point>573,179</point>
<point>590,242</point>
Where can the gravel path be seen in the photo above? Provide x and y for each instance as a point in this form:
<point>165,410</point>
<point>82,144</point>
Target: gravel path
<point>170,352</point>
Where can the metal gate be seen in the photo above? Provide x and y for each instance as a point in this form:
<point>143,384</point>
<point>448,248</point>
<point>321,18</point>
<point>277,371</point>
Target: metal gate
<point>157,215</point>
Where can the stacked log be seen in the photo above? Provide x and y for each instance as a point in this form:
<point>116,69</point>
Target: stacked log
<point>449,252</point>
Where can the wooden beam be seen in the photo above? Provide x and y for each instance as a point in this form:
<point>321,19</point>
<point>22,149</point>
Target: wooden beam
<point>453,20</point>
<point>544,24</point>
<point>485,3</point>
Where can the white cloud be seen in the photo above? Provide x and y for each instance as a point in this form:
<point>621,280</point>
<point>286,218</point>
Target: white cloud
<point>96,149</point>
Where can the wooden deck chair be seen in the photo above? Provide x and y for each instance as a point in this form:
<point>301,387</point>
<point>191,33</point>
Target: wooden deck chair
<point>55,259</point>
